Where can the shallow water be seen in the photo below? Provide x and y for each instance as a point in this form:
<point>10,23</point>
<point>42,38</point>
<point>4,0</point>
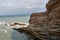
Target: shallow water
<point>9,34</point>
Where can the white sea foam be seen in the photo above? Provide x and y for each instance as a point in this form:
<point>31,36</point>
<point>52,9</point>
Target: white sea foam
<point>2,23</point>
<point>4,31</point>
<point>19,26</point>
<point>14,26</point>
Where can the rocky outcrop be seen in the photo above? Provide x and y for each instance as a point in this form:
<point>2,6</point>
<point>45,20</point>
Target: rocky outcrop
<point>54,19</point>
<point>52,4</point>
<point>46,25</point>
<point>38,24</point>
<point>38,18</point>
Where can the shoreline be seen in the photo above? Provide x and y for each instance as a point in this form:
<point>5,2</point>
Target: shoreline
<point>45,25</point>
<point>28,32</point>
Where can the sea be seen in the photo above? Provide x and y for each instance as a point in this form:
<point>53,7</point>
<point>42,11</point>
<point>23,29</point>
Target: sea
<point>7,33</point>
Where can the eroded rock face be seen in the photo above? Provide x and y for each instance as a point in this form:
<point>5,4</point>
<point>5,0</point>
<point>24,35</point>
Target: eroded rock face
<point>47,24</point>
<point>37,19</point>
<point>38,24</point>
<point>52,4</point>
<point>54,24</point>
<point>54,19</point>
<point>53,8</point>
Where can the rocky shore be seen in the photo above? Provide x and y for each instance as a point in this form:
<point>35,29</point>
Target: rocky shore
<point>45,25</point>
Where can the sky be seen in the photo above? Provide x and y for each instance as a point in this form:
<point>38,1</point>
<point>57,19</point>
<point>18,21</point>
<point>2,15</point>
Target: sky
<point>22,7</point>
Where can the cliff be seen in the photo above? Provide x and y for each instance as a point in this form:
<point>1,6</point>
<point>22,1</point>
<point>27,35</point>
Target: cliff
<point>46,25</point>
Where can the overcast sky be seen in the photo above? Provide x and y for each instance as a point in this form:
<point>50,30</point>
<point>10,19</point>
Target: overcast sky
<point>21,7</point>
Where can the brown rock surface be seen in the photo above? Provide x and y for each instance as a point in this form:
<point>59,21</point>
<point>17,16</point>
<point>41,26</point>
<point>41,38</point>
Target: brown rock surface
<point>47,24</point>
<point>38,19</point>
<point>52,4</point>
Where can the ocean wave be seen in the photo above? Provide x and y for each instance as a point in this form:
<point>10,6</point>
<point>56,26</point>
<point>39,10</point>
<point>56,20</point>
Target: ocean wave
<point>14,24</point>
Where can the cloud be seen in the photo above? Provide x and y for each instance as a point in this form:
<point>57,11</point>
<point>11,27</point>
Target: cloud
<point>8,5</point>
<point>21,3</point>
